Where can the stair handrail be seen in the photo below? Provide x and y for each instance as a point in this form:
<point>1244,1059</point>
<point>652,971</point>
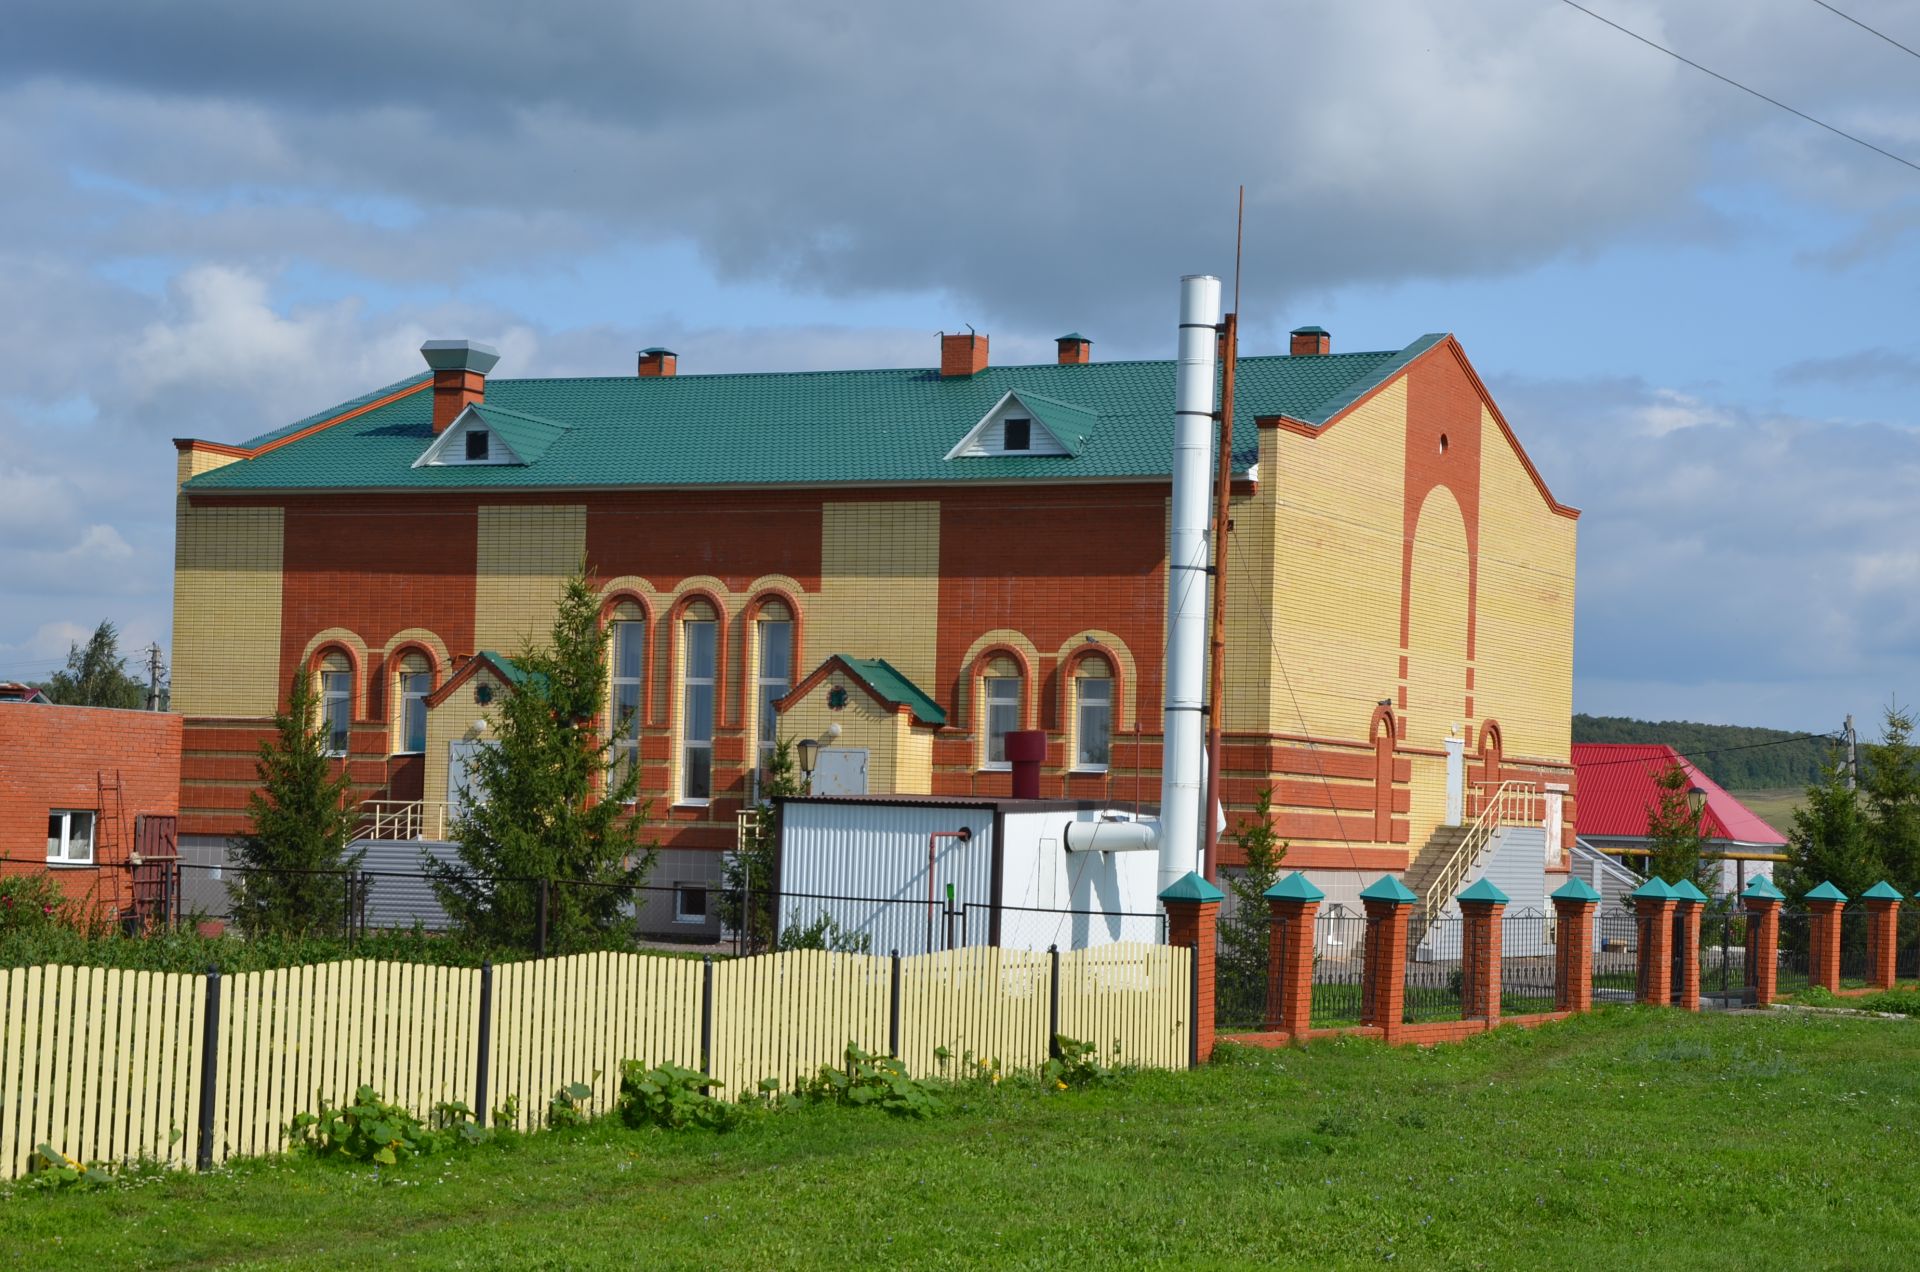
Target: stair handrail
<point>1511,804</point>
<point>403,819</point>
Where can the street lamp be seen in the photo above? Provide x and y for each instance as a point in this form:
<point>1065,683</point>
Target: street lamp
<point>809,750</point>
<point>1696,799</point>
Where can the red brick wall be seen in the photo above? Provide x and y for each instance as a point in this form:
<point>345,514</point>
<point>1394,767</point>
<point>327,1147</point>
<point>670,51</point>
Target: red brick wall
<point>55,757</point>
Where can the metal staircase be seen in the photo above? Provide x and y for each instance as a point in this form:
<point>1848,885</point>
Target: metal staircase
<point>1451,854</point>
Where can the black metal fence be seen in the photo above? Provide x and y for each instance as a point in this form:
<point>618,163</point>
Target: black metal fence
<point>1339,949</point>
<point>1433,972</point>
<point>1527,963</point>
<point>1906,950</point>
<point>1727,979</point>
<point>1791,957</point>
<point>1616,973</point>
<point>1854,971</point>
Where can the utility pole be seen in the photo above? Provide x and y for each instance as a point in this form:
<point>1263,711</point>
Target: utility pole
<point>1853,756</point>
<point>153,676</point>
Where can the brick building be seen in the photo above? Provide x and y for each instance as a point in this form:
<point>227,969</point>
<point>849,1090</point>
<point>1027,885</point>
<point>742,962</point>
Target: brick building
<point>81,788</point>
<point>925,558</point>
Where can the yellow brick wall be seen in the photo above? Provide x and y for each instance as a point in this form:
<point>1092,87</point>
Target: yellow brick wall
<point>865,723</point>
<point>1249,679</point>
<point>1336,568</point>
<point>1524,641</point>
<point>524,557</point>
<point>452,720</point>
<point>1437,623</point>
<point>879,586</point>
<point>226,604</point>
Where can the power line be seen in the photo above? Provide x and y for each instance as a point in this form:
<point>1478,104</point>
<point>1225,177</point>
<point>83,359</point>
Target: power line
<point>1864,27</point>
<point>1700,755</point>
<point>1771,101</point>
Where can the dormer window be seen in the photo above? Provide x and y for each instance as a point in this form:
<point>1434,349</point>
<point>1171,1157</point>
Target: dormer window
<point>1018,435</point>
<point>1026,424</point>
<point>477,445</point>
<point>484,433</point>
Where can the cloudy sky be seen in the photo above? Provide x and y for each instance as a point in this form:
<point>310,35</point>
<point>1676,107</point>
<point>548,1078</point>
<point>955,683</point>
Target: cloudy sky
<point>1698,311</point>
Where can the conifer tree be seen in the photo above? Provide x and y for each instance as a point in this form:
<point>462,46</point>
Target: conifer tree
<point>1830,838</point>
<point>1243,939</point>
<point>752,872</point>
<point>1890,785</point>
<point>293,862</point>
<point>1674,832</point>
<point>547,802</point>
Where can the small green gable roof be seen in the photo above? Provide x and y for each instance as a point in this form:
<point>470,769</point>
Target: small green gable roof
<point>1881,891</point>
<point>1483,890</point>
<point>1826,892</point>
<point>891,687</point>
<point>1575,889</point>
<point>1073,337</point>
<point>1761,888</point>
<point>528,436</point>
<point>1295,887</point>
<point>1687,890</point>
<point>1191,887</point>
<point>1654,889</point>
<point>1388,888</point>
<point>1308,331</point>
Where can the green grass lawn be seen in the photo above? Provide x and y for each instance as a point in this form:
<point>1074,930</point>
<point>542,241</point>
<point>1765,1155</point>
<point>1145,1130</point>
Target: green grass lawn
<point>1624,1140</point>
<point>1774,807</point>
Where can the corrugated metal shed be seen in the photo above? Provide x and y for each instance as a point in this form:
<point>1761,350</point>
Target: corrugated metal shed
<point>1617,787</point>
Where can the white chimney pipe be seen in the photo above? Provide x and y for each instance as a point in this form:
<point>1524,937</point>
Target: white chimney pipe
<point>1183,745</point>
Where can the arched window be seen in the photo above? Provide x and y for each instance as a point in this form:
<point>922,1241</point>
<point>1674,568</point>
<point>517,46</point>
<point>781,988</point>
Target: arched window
<point>1000,702</point>
<point>700,644</point>
<point>1092,713</point>
<point>627,659</point>
<point>773,641</point>
<point>334,681</point>
<point>412,682</point>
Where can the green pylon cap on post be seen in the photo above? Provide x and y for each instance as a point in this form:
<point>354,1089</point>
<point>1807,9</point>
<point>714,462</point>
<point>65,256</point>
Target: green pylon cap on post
<point>1687,890</point>
<point>1483,890</point>
<point>1387,888</point>
<point>1295,887</point>
<point>1575,889</point>
<point>1881,891</point>
<point>1761,888</point>
<point>1191,887</point>
<point>1826,892</point>
<point>1654,889</point>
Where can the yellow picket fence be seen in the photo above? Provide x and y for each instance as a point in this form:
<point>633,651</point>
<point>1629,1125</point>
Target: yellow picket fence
<point>113,1065</point>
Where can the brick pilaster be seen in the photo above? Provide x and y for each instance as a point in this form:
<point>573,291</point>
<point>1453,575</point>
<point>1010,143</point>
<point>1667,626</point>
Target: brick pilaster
<point>1655,976</point>
<point>1290,965</point>
<point>1384,976</point>
<point>1823,943</point>
<point>1480,926</point>
<point>1763,947</point>
<point>1193,921</point>
<point>1883,929</point>
<point>1686,954</point>
<point>1573,954</point>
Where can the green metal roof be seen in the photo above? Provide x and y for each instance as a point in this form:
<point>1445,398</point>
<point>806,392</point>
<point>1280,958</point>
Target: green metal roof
<point>1388,888</point>
<point>1576,889</point>
<point>890,686</point>
<point>528,435</point>
<point>1881,891</point>
<point>803,428</point>
<point>1072,426</point>
<point>1688,890</point>
<point>1295,887</point>
<point>1654,889</point>
<point>1191,887</point>
<point>1308,331</point>
<point>1826,892</point>
<point>1483,890</point>
<point>1761,888</point>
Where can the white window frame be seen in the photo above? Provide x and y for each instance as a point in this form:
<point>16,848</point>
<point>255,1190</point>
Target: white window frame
<point>680,890</point>
<point>689,744</point>
<point>67,817</point>
<point>414,688</point>
<point>992,693</point>
<point>336,687</point>
<point>767,725</point>
<point>1082,707</point>
<point>626,740</point>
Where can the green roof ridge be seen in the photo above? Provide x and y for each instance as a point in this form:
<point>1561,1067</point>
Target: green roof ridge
<point>1191,887</point>
<point>1881,891</point>
<point>1482,890</point>
<point>1295,887</point>
<point>1761,888</point>
<point>886,680</point>
<point>1654,889</point>
<point>1388,888</point>
<point>1575,889</point>
<point>1688,890</point>
<point>1826,892</point>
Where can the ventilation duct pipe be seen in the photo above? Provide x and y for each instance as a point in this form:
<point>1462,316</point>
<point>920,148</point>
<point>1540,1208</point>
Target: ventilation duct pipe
<point>1112,836</point>
<point>1184,734</point>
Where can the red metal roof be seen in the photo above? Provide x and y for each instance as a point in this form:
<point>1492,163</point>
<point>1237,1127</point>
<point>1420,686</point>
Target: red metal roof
<point>1617,787</point>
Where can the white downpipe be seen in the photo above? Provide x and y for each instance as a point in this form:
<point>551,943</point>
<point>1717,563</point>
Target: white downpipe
<point>1181,782</point>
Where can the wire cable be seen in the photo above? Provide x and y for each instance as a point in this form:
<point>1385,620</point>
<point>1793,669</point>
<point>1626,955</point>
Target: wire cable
<point>1864,27</point>
<point>1754,92</point>
<point>1696,755</point>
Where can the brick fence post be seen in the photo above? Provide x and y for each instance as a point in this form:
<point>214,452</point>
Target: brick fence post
<point>1763,939</point>
<point>1688,904</point>
<point>1653,903</point>
<point>1883,932</point>
<point>1295,905</point>
<point>1482,909</point>
<point>1193,918</point>
<point>1824,904</point>
<point>1383,976</point>
<point>1573,905</point>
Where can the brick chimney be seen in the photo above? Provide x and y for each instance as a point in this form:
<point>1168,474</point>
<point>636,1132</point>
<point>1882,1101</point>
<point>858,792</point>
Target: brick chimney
<point>1074,349</point>
<point>962,355</point>
<point>1310,340</point>
<point>459,376</point>
<point>658,361</point>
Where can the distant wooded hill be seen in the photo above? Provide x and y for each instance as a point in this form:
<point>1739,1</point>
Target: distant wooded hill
<point>1795,761</point>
